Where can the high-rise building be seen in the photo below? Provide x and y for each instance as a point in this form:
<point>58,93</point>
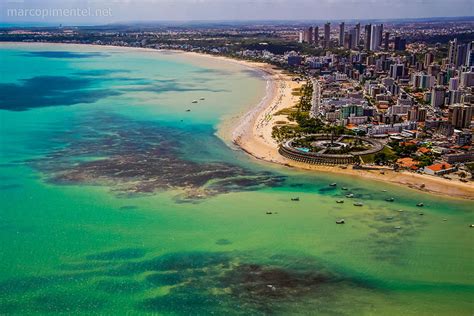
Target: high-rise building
<point>399,44</point>
<point>386,41</point>
<point>461,53</point>
<point>308,35</point>
<point>460,115</point>
<point>316,36</point>
<point>357,38</point>
<point>454,83</point>
<point>455,96</point>
<point>452,51</point>
<point>341,34</point>
<point>353,34</point>
<point>422,81</point>
<point>437,96</point>
<point>368,36</point>
<point>327,34</point>
<point>376,37</point>
<point>470,55</point>
<point>397,71</point>
<point>429,59</point>
<point>467,79</point>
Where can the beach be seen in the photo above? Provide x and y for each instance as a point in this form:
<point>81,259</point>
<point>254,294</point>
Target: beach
<point>253,134</point>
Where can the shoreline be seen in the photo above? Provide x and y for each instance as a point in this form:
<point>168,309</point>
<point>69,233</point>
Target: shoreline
<point>251,130</point>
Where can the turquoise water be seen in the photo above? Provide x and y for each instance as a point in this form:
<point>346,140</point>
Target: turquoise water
<point>116,200</point>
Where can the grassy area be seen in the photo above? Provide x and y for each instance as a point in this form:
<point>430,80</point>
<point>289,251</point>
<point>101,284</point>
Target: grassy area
<point>286,111</point>
<point>389,154</point>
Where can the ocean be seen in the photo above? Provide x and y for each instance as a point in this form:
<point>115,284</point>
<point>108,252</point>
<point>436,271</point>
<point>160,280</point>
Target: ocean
<point>118,197</point>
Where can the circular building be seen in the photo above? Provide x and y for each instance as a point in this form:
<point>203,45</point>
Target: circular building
<point>326,149</point>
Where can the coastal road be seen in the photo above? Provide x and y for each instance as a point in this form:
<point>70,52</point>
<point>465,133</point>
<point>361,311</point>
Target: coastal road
<point>316,101</point>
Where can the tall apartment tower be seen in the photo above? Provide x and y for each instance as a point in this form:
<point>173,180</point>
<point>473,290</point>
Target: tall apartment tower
<point>368,36</point>
<point>376,37</point>
<point>437,96</point>
<point>452,51</point>
<point>341,34</point>
<point>460,115</point>
<point>386,41</point>
<point>310,38</point>
<point>461,53</point>
<point>327,34</point>
<point>357,38</point>
<point>316,36</point>
<point>470,54</point>
<point>429,59</point>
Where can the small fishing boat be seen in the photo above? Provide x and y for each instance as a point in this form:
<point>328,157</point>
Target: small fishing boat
<point>398,227</point>
<point>340,201</point>
<point>188,110</point>
<point>349,196</point>
<point>340,221</point>
<point>202,99</point>
<point>269,213</point>
<point>344,188</point>
<point>295,199</point>
<point>420,205</point>
<point>194,101</point>
<point>358,204</point>
<point>472,225</point>
<point>333,184</point>
<point>400,211</point>
<point>390,199</point>
<point>422,213</point>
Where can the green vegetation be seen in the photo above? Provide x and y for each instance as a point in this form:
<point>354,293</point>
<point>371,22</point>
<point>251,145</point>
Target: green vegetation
<point>385,156</point>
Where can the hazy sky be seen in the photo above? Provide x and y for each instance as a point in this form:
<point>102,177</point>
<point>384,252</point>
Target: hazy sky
<point>156,10</point>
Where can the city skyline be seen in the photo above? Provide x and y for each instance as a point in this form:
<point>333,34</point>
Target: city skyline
<point>120,11</point>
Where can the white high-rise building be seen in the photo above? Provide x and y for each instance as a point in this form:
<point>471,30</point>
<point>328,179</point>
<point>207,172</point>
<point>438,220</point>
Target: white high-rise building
<point>376,37</point>
<point>454,83</point>
<point>470,55</point>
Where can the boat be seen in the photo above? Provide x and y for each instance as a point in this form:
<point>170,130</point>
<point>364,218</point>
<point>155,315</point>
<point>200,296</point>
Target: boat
<point>358,204</point>
<point>194,101</point>
<point>344,188</point>
<point>340,201</point>
<point>202,99</point>
<point>350,195</point>
<point>398,227</point>
<point>188,110</point>
<point>422,214</point>
<point>295,199</point>
<point>472,225</point>
<point>333,184</point>
<point>269,213</point>
<point>340,221</point>
<point>384,190</point>
<point>390,199</point>
<point>420,205</point>
<point>400,211</point>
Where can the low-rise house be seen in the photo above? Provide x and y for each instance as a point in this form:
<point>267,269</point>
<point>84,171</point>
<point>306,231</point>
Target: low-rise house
<point>439,169</point>
<point>407,163</point>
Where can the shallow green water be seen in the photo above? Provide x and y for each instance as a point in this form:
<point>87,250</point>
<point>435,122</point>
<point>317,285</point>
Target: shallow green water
<point>115,200</point>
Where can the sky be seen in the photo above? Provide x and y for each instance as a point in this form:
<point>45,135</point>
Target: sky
<point>109,11</point>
